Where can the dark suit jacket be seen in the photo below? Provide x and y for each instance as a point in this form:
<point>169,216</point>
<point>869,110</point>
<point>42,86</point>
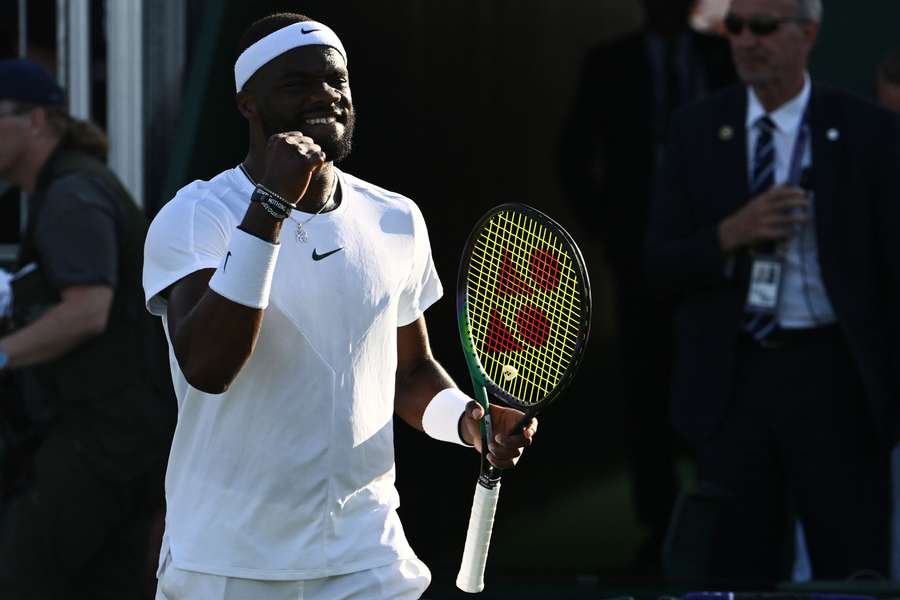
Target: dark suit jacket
<point>856,180</point>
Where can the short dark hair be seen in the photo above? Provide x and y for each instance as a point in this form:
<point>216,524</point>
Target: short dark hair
<point>263,27</point>
<point>889,69</point>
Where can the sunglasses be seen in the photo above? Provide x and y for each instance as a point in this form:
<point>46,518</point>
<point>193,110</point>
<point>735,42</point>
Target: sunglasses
<point>759,26</point>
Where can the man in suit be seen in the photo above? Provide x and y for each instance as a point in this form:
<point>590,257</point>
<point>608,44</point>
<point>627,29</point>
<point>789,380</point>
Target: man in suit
<point>786,322</point>
<point>608,156</point>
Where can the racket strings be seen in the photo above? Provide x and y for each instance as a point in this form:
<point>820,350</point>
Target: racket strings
<point>544,310</point>
<point>567,302</point>
<point>532,321</point>
<point>542,371</point>
<point>507,310</point>
<point>568,298</point>
<point>557,307</point>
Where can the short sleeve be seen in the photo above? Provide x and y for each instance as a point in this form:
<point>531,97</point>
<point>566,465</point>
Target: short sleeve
<point>76,235</point>
<point>187,235</point>
<point>423,287</point>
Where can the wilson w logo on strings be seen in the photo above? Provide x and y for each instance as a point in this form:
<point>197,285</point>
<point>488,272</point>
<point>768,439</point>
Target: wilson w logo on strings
<point>524,305</point>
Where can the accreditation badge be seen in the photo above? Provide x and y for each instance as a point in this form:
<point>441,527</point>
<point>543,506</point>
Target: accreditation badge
<point>765,284</point>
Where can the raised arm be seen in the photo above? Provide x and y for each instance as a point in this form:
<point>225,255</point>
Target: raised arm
<point>214,322</point>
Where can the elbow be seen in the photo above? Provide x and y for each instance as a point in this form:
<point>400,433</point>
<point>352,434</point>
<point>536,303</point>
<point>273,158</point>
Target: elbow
<point>96,324</point>
<point>206,382</point>
<point>208,378</point>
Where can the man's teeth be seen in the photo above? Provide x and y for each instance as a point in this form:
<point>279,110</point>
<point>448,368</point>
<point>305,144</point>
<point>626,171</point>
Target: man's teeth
<point>320,121</point>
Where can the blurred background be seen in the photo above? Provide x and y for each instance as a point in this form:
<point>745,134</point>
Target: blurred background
<point>461,106</point>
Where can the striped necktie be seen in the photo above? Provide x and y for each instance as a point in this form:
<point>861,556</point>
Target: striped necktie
<point>762,178</point>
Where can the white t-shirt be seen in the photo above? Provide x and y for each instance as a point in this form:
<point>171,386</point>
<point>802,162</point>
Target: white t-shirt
<point>290,473</point>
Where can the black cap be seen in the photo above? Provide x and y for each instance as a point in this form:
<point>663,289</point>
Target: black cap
<point>26,81</point>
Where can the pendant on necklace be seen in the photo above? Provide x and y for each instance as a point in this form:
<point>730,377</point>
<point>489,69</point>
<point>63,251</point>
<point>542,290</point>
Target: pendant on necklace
<point>302,236</point>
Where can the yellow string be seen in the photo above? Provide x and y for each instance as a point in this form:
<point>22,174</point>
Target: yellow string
<point>539,368</point>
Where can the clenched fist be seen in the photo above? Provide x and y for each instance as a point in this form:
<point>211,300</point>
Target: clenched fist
<point>769,217</point>
<point>505,450</point>
<point>291,161</point>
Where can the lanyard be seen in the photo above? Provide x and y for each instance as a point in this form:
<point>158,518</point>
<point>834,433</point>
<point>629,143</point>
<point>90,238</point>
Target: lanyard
<point>800,142</point>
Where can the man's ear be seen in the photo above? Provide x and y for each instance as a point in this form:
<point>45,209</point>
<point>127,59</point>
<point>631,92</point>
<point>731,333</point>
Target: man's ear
<point>811,32</point>
<point>246,104</point>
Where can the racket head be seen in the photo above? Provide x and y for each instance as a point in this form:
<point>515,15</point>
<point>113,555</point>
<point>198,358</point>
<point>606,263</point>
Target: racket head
<point>523,306</point>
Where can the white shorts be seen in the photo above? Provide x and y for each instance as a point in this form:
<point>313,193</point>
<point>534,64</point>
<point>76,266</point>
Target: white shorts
<point>400,580</point>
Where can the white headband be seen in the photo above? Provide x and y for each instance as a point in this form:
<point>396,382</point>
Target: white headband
<point>304,33</point>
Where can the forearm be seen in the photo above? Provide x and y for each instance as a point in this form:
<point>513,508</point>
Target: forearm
<point>415,389</point>
<point>214,341</point>
<point>57,332</point>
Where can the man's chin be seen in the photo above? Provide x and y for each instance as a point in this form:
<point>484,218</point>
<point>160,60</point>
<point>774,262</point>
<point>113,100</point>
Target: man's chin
<point>753,77</point>
<point>339,152</point>
<point>337,148</point>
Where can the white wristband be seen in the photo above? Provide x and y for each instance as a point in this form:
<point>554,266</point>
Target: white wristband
<point>245,274</point>
<point>441,418</point>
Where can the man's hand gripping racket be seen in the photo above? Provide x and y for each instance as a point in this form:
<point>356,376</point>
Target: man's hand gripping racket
<point>524,312</point>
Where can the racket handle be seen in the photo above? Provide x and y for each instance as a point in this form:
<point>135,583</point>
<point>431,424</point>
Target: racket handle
<point>481,522</point>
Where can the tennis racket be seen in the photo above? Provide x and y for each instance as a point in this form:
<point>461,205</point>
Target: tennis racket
<point>524,312</point>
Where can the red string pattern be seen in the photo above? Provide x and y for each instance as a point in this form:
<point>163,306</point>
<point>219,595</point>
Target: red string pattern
<point>544,269</point>
<point>531,322</point>
<point>509,282</point>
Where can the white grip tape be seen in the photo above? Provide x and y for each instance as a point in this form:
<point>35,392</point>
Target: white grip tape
<point>441,417</point>
<point>481,522</point>
<point>245,274</point>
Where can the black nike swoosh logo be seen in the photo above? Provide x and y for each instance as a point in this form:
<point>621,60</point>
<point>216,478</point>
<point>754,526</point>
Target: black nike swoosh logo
<point>225,264</point>
<point>305,31</point>
<point>317,256</point>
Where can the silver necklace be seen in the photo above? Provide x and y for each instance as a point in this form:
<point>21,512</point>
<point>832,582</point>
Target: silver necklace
<point>300,233</point>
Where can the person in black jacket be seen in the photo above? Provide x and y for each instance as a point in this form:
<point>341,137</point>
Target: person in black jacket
<point>77,525</point>
<point>611,140</point>
<point>775,226</point>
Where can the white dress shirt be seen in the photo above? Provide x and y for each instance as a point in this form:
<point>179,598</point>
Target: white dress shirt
<point>804,300</point>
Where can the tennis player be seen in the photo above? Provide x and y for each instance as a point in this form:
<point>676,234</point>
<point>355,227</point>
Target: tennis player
<point>292,295</point>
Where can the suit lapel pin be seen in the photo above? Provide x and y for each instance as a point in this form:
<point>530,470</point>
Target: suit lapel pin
<point>726,133</point>
<point>833,135</point>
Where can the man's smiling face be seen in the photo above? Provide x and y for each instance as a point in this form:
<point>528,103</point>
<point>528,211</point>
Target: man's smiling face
<point>307,89</point>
